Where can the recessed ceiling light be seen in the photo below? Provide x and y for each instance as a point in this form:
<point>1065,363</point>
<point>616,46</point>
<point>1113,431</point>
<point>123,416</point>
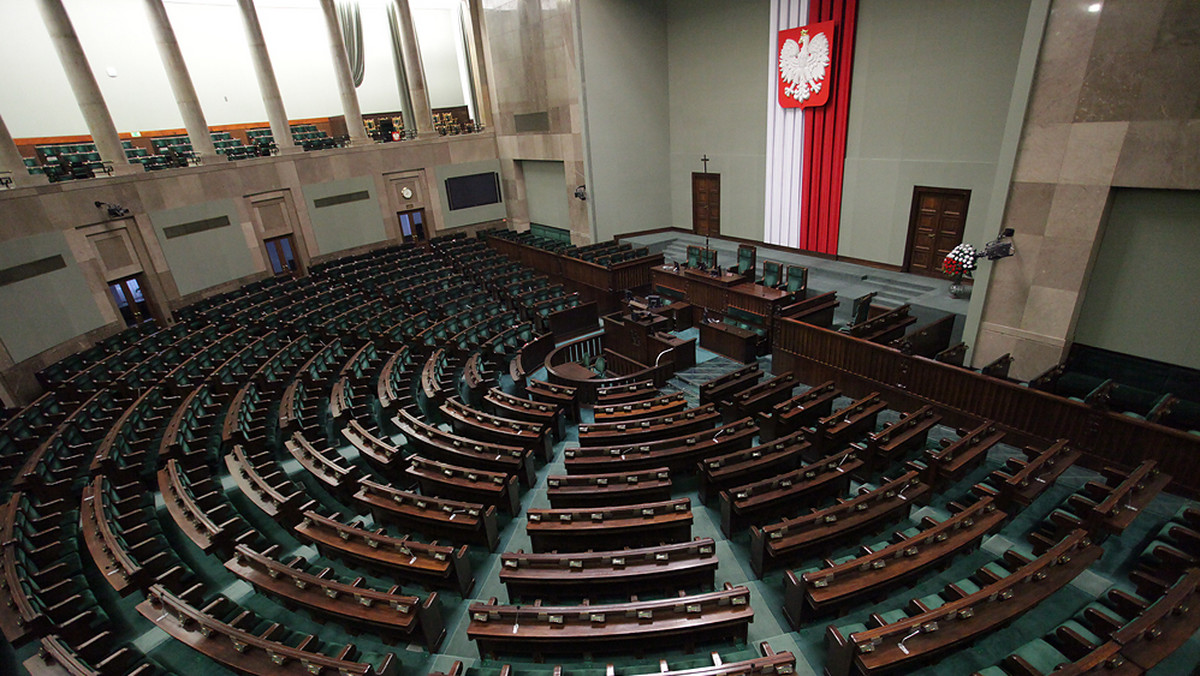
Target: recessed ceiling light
<point>1094,7</point>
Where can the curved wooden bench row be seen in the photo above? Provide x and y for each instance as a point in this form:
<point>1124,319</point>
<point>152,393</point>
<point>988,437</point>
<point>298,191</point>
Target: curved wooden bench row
<point>847,424</point>
<point>923,636</point>
<point>539,630</point>
<point>264,483</point>
<point>758,398</point>
<point>722,472</point>
<point>768,664</point>
<point>436,444</point>
<point>494,489</point>
<point>394,386</point>
<point>1023,480</point>
<point>476,424</point>
<point>434,516</point>
<point>725,386</point>
<point>245,651</point>
<point>625,392</point>
<point>617,488</point>
<point>755,503</point>
<point>581,529</point>
<point>617,572</point>
<point>875,571</point>
<point>897,439</point>
<point>690,421</point>
<point>563,396</point>
<point>197,505</point>
<point>326,465</point>
<point>640,409</point>
<point>518,408</point>
<point>429,564</point>
<point>802,410</point>
<point>94,656</point>
<point>679,454</point>
<point>790,539</point>
<point>396,613</point>
<point>379,454</point>
<point>955,459</point>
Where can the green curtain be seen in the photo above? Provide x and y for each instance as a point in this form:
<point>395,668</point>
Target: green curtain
<point>350,20</point>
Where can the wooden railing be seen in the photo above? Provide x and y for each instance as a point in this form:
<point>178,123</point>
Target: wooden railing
<point>587,349</point>
<point>816,355</point>
<point>593,282</point>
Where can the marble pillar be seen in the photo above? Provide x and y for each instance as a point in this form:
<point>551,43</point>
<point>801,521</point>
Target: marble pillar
<point>414,71</point>
<point>341,68</point>
<point>11,160</point>
<point>83,85</point>
<point>473,16</point>
<point>181,82</point>
<point>267,84</point>
<point>1113,106</point>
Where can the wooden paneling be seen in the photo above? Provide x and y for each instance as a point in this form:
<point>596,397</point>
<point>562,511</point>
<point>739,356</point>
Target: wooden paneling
<point>604,285</point>
<point>1031,416</point>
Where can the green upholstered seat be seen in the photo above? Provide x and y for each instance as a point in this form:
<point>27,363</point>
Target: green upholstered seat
<point>1079,628</point>
<point>847,629</point>
<point>967,585</point>
<point>932,601</point>
<point>997,568</point>
<point>1041,655</point>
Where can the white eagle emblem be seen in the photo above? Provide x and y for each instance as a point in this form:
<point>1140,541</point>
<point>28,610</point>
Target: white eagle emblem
<point>803,65</point>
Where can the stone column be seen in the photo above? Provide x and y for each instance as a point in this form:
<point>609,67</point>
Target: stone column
<point>83,84</point>
<point>267,85</point>
<point>414,71</point>
<point>181,82</point>
<point>341,67</point>
<point>11,160</point>
<point>476,50</point>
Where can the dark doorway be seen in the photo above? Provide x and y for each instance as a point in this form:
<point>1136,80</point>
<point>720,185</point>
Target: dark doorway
<point>935,227</point>
<point>281,251</point>
<point>706,204</point>
<point>412,225</point>
<point>130,295</point>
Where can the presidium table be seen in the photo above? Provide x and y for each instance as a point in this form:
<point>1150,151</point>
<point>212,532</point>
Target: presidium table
<point>716,294</point>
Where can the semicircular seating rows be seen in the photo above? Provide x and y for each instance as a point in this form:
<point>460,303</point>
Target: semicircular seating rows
<point>331,475</point>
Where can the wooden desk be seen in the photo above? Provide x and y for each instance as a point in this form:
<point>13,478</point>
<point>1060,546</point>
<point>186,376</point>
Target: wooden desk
<point>872,572</point>
<point>428,564</point>
<point>576,371</point>
<point>590,528</point>
<point>730,341</point>
<point>615,488</point>
<point>726,278</point>
<point>675,621</point>
<point>619,572</point>
<point>706,292</point>
<point>724,386</point>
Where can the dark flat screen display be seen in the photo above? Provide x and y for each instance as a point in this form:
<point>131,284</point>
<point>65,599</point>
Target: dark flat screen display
<point>474,190</point>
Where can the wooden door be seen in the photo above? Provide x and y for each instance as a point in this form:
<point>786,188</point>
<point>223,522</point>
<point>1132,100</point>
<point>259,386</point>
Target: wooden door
<point>935,227</point>
<point>706,204</point>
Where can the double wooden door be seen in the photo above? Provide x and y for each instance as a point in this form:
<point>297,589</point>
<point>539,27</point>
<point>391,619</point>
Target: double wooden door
<point>935,227</point>
<point>706,204</point>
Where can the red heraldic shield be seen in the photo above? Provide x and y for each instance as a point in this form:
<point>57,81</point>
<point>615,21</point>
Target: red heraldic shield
<point>805,55</point>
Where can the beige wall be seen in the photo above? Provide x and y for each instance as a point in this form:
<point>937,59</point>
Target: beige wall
<point>929,106</point>
<point>1114,103</point>
<point>168,197</point>
<point>533,77</point>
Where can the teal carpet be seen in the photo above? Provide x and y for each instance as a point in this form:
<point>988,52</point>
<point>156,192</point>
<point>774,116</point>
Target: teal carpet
<point>769,624</point>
